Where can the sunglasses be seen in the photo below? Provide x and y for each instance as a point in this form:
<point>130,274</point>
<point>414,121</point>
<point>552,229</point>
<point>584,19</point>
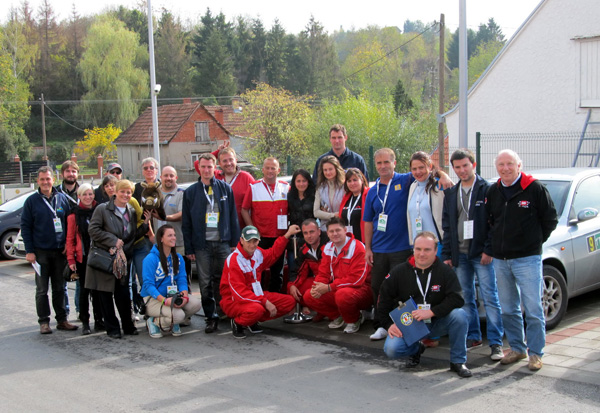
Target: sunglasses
<point>115,172</point>
<point>148,168</point>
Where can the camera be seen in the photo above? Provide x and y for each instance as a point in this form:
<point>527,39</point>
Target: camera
<point>157,88</point>
<point>177,298</point>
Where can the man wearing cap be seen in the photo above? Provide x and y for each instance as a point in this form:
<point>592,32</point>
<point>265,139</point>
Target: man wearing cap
<point>210,232</point>
<point>113,169</point>
<point>242,297</point>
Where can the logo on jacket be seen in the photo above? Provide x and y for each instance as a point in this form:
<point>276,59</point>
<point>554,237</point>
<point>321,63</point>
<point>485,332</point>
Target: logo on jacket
<point>523,204</point>
<point>436,288</point>
<point>387,276</point>
<point>406,318</point>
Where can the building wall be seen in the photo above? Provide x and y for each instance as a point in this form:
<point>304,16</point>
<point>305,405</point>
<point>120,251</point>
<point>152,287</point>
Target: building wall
<point>534,85</point>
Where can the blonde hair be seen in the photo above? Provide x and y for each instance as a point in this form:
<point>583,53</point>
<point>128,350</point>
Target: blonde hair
<point>125,183</point>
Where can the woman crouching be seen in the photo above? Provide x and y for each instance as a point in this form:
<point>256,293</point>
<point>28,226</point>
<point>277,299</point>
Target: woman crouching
<point>165,288</point>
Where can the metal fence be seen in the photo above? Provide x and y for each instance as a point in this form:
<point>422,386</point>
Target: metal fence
<point>537,150</point>
<point>20,172</point>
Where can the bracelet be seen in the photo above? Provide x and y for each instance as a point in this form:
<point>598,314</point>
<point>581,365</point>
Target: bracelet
<point>163,300</point>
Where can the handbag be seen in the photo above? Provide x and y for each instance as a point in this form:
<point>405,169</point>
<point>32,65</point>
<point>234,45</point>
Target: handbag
<point>100,259</point>
<point>69,275</point>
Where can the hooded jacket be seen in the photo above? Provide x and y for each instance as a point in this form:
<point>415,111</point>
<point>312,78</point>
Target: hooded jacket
<point>155,279</point>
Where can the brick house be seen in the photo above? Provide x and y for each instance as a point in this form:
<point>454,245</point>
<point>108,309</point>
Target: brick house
<point>185,131</point>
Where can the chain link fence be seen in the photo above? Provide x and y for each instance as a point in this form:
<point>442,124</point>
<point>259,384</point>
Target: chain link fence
<point>537,150</point>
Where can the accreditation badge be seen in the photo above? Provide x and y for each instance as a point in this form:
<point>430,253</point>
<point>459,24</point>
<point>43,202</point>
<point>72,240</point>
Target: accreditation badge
<point>257,288</point>
<point>425,307</point>
<point>282,222</point>
<point>468,229</point>
<point>212,219</point>
<point>382,222</point>
<point>57,225</point>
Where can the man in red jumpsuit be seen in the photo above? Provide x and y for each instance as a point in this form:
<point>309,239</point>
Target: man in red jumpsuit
<point>242,297</point>
<point>342,287</point>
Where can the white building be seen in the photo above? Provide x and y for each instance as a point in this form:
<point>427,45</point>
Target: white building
<point>544,81</point>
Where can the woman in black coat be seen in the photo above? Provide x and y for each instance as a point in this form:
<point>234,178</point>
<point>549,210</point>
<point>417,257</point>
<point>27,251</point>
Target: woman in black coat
<point>114,225</point>
<point>301,200</point>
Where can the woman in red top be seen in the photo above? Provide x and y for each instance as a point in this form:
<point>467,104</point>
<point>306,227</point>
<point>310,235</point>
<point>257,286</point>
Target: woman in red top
<point>78,247</point>
<point>351,210</point>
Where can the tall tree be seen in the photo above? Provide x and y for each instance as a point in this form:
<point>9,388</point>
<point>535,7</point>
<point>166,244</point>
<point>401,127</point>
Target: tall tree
<point>453,46</point>
<point>135,20</point>
<point>49,64</point>
<point>320,60</point>
<point>17,45</point>
<point>256,71</point>
<point>111,72</point>
<point>213,62</point>
<point>402,102</point>
<point>242,53</point>
<point>173,62</point>
<point>275,55</point>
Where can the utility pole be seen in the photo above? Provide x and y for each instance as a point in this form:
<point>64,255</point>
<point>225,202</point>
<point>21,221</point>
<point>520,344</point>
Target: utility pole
<point>154,88</point>
<point>463,76</point>
<point>441,76</point>
<point>45,157</point>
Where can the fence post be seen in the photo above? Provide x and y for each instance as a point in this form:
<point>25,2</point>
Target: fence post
<point>371,166</point>
<point>21,172</point>
<point>478,152</point>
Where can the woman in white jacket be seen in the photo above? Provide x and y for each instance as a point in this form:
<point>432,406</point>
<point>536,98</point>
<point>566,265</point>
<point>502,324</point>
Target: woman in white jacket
<point>330,190</point>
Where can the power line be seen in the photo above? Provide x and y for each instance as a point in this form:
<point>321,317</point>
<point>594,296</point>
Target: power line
<point>64,120</point>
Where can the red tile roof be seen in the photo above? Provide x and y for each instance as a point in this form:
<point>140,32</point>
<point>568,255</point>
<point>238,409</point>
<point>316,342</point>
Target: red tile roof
<point>232,121</point>
<point>171,118</point>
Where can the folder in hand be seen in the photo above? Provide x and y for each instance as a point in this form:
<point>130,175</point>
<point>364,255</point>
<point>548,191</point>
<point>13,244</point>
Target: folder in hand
<point>412,330</point>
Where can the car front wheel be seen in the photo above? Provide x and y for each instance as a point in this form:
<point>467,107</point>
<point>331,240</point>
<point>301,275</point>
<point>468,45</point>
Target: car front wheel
<point>8,245</point>
<point>554,298</point>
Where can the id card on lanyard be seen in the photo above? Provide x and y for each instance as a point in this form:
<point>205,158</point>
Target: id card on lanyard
<point>282,220</point>
<point>350,210</point>
<point>56,220</point>
<point>468,224</point>
<point>382,220</point>
<point>212,217</point>
<point>424,306</point>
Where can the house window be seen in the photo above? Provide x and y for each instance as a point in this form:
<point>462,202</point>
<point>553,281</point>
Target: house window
<point>195,157</point>
<point>589,92</point>
<point>202,132</point>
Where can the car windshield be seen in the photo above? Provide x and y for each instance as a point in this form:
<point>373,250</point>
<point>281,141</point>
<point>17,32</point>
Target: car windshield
<point>558,192</point>
<point>14,203</point>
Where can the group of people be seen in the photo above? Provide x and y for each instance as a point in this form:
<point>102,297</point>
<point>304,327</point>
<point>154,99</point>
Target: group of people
<point>351,250</point>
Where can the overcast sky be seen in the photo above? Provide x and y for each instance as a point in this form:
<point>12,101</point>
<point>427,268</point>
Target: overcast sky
<point>508,14</point>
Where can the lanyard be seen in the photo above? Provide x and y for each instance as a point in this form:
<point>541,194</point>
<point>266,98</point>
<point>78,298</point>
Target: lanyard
<point>70,198</point>
<point>351,207</point>
<point>386,194</point>
<point>271,194</point>
<point>171,271</point>
<point>233,180</point>
<point>462,205</point>
<point>421,287</point>
<point>211,200</point>
<point>53,210</point>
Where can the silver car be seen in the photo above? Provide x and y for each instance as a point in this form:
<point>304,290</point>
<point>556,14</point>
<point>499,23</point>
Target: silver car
<point>571,255</point>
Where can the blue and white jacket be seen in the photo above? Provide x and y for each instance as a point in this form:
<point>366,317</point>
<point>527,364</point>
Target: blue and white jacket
<point>155,279</point>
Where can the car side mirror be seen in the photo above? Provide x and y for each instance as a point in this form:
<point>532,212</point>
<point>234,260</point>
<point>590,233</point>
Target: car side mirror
<point>584,215</point>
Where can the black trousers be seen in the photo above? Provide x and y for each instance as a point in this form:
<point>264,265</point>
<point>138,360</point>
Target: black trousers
<point>273,284</point>
<point>85,294</point>
<point>123,304</point>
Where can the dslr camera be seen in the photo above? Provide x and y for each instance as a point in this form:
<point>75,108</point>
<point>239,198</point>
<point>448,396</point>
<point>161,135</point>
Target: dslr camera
<point>177,298</point>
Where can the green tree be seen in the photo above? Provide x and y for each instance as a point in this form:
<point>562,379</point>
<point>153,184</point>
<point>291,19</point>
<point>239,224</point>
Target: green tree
<point>173,62</point>
<point>453,46</point>
<point>111,73</point>
<point>242,53</point>
<point>402,102</point>
<point>275,55</point>
<point>14,110</point>
<point>276,120</point>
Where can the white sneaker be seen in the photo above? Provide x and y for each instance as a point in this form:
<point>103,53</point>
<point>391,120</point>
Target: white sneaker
<point>354,327</point>
<point>337,323</point>
<point>380,334</point>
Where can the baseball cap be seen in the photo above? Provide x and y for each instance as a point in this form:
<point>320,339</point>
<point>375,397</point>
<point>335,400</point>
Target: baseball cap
<point>250,232</point>
<point>114,165</point>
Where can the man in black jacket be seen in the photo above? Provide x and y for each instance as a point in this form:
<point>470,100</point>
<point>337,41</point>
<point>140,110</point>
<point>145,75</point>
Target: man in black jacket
<point>436,290</point>
<point>522,217</point>
<point>467,248</point>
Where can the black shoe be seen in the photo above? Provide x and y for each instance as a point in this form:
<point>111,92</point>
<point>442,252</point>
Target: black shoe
<point>471,343</point>
<point>114,334</point>
<point>99,326</point>
<point>238,330</point>
<point>133,332</point>
<point>460,369</point>
<point>255,328</point>
<point>414,360</point>
<point>85,329</point>
<point>211,325</point>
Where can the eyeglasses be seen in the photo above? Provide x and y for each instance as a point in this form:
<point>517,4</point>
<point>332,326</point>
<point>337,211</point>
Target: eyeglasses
<point>149,168</point>
<point>115,172</point>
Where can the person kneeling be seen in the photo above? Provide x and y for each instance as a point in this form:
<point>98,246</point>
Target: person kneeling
<point>342,287</point>
<point>437,292</point>
<point>165,288</point>
<point>242,297</point>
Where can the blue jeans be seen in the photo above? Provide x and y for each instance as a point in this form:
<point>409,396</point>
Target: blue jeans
<point>209,263</point>
<point>521,279</point>
<point>454,325</point>
<point>466,271</point>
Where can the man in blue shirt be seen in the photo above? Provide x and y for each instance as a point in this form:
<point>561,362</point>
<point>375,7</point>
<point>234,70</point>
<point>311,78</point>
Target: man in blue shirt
<point>44,231</point>
<point>347,158</point>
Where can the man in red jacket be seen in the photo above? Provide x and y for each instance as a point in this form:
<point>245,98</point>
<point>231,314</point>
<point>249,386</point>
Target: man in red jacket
<point>343,286</point>
<point>242,297</point>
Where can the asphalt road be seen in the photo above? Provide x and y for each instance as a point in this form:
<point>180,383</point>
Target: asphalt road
<point>273,371</point>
